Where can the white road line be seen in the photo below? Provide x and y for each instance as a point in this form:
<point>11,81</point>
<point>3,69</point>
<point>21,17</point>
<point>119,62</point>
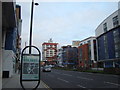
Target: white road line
<point>51,75</point>
<point>79,72</point>
<point>63,80</point>
<point>56,73</point>
<point>81,86</point>
<point>66,74</point>
<point>84,78</point>
<point>115,75</point>
<point>62,74</point>
<point>89,73</point>
<point>112,83</point>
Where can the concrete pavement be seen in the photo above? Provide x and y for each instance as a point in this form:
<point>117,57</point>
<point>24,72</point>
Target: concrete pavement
<point>14,83</point>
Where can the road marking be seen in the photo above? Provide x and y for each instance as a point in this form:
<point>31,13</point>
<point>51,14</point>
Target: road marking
<point>50,75</point>
<point>63,80</point>
<point>66,74</point>
<point>80,72</point>
<point>112,83</point>
<point>81,86</point>
<point>56,73</point>
<point>84,78</point>
<point>45,85</point>
<point>115,75</point>
<point>89,73</point>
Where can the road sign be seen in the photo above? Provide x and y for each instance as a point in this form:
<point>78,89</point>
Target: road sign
<point>30,67</point>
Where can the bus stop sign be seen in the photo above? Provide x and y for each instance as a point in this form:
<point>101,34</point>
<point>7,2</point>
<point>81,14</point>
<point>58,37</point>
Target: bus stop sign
<point>30,66</point>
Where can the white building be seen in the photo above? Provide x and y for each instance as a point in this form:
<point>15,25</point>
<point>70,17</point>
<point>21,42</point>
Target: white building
<point>60,58</point>
<point>49,52</point>
<point>75,43</point>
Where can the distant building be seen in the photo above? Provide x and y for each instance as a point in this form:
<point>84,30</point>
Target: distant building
<point>87,55</point>
<point>108,41</point>
<point>75,43</point>
<point>60,58</point>
<point>18,42</point>
<point>11,31</point>
<point>70,56</point>
<point>49,52</point>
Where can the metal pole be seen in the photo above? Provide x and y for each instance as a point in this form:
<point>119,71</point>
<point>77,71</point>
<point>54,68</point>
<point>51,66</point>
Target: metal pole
<point>30,42</point>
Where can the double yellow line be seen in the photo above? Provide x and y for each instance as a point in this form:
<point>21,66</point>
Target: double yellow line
<point>46,86</point>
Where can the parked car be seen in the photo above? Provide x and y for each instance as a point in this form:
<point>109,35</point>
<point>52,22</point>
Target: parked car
<point>61,66</point>
<point>46,69</point>
<point>51,66</point>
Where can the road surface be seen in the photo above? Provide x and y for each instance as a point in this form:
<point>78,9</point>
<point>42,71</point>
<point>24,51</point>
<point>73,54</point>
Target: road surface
<point>73,79</point>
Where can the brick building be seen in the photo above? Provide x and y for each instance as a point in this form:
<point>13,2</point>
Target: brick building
<point>87,54</point>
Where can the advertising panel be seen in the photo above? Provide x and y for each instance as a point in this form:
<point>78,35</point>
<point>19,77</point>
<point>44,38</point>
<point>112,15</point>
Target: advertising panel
<point>30,67</point>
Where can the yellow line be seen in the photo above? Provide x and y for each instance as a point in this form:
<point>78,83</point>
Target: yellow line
<point>45,85</point>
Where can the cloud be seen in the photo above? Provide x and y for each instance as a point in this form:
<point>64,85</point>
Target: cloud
<point>66,24</point>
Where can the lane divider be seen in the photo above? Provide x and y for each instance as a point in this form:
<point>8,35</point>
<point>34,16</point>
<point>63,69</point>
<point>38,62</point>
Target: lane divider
<point>63,80</point>
<point>81,86</point>
<point>112,83</point>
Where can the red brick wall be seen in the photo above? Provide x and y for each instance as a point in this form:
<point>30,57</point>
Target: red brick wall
<point>85,56</point>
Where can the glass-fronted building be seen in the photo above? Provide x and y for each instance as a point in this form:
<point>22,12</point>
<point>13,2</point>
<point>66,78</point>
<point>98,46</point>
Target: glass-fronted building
<point>108,41</point>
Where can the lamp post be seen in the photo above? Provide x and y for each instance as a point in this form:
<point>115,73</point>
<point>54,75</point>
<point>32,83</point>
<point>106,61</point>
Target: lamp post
<point>30,42</point>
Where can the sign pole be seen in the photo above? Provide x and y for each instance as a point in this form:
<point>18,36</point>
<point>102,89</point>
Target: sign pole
<point>30,42</point>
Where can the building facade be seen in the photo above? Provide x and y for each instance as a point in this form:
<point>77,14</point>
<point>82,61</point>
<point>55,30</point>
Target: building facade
<point>75,43</point>
<point>18,42</point>
<point>87,54</point>
<point>70,56</point>
<point>49,52</point>
<point>10,32</point>
<point>108,41</point>
<point>60,58</point>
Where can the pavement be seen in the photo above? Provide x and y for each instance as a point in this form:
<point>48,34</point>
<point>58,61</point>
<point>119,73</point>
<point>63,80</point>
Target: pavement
<point>13,83</point>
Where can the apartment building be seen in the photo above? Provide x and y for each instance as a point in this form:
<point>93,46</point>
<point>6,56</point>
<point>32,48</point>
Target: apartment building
<point>49,52</point>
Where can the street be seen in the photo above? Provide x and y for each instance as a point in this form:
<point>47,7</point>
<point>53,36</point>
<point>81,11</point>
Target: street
<point>74,79</point>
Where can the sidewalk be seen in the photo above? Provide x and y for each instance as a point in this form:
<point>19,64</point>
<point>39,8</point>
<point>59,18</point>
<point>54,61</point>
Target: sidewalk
<point>14,83</point>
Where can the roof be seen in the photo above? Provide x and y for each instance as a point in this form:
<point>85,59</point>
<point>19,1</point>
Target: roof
<point>50,44</point>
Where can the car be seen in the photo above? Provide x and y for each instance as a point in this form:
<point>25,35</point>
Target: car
<point>61,66</point>
<point>46,69</point>
<point>50,66</point>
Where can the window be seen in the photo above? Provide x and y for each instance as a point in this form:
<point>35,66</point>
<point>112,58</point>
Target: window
<point>80,50</point>
<point>106,47</point>
<point>81,44</point>
<point>50,46</point>
<point>105,27</point>
<point>117,43</point>
<point>115,21</point>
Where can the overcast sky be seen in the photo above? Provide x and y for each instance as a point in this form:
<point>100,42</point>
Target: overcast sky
<point>63,21</point>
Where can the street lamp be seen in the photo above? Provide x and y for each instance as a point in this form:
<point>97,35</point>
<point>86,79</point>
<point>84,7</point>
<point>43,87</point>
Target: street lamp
<point>30,42</point>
